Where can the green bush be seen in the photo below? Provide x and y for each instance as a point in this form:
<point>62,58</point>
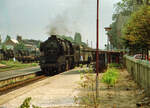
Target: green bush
<point>81,65</point>
<point>110,76</point>
<point>116,65</point>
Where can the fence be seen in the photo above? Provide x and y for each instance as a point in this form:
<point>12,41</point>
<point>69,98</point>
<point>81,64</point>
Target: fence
<point>140,70</point>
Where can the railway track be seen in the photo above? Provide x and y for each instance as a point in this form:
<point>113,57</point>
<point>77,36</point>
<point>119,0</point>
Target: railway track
<point>11,80</point>
<point>18,84</point>
<point>9,83</point>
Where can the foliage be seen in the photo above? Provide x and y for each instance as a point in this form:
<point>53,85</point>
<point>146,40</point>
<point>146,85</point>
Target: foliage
<point>127,7</point>
<point>27,104</point>
<point>20,46</point>
<point>81,65</point>
<point>110,76</point>
<point>114,39</point>
<point>124,7</point>
<point>7,38</point>
<point>137,31</point>
<point>116,65</point>
<point>4,46</point>
<point>88,97</point>
<point>77,38</point>
<point>38,44</point>
<point>123,10</point>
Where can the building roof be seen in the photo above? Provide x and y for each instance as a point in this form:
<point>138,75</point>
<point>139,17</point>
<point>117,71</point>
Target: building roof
<point>15,41</point>
<point>28,45</point>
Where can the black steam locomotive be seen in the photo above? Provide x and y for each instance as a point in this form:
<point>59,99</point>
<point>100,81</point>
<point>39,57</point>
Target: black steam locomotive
<point>58,55</point>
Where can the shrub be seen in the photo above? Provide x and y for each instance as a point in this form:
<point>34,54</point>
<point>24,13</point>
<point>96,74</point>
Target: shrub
<point>81,65</point>
<point>110,76</point>
<point>116,65</point>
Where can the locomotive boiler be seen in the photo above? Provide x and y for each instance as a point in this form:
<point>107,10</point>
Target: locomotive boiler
<point>58,55</point>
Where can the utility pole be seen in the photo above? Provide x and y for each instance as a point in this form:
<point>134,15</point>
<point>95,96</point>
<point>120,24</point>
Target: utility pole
<point>97,49</point>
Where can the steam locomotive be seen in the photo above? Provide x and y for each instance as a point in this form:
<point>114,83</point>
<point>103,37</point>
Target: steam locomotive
<point>58,55</point>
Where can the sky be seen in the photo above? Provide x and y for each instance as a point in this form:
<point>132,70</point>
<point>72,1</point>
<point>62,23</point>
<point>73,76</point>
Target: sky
<point>35,19</point>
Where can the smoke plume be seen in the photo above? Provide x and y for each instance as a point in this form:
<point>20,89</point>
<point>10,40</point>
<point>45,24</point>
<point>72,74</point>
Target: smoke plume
<point>72,19</point>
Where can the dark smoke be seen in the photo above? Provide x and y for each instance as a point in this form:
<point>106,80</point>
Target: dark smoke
<point>73,19</point>
<point>59,25</point>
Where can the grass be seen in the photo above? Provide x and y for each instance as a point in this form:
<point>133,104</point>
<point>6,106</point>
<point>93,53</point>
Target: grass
<point>11,65</point>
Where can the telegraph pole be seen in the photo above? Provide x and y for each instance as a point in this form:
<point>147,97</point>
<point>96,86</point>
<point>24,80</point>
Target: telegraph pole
<point>97,49</point>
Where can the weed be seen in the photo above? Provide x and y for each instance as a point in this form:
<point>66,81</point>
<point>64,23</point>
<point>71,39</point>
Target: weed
<point>88,98</point>
<point>111,65</point>
<point>110,76</point>
<point>81,65</point>
<point>27,103</point>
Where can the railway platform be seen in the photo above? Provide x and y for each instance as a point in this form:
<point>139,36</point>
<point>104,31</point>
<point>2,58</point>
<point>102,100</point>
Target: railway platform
<point>15,73</point>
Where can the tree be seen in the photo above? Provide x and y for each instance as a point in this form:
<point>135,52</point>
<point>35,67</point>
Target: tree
<point>124,7</point>
<point>78,38</point>
<point>38,45</point>
<point>136,33</point>
<point>123,11</point>
<point>4,46</point>
<point>7,38</point>
<point>20,46</point>
<point>113,35</point>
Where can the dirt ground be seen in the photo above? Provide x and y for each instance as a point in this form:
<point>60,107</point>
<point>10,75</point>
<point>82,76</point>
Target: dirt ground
<point>125,94</point>
<point>58,92</point>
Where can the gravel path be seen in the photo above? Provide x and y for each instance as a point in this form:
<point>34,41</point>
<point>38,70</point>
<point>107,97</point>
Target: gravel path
<point>57,90</point>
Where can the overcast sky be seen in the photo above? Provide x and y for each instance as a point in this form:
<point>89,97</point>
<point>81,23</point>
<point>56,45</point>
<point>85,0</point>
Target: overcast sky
<point>33,19</point>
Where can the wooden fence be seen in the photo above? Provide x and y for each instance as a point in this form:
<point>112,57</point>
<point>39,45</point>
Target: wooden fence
<point>140,71</point>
